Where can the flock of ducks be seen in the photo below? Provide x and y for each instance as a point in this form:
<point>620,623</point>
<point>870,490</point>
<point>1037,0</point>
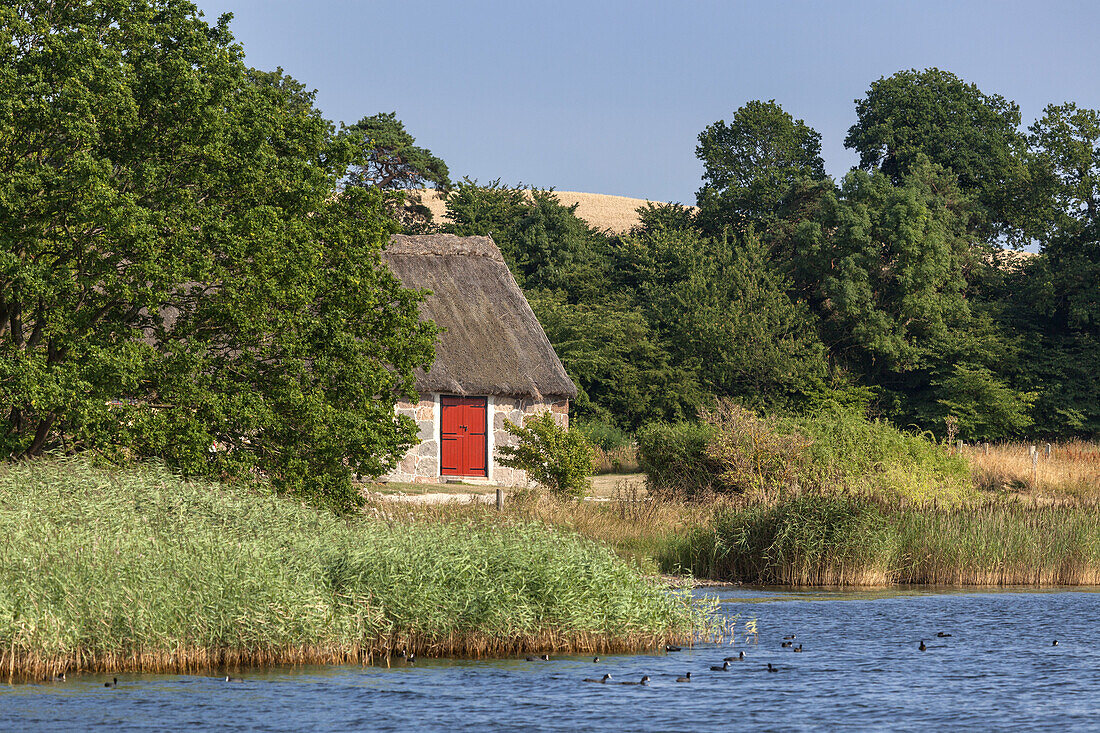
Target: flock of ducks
<point>788,643</point>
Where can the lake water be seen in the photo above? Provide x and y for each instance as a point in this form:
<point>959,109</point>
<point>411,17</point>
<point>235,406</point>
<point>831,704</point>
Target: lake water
<point>860,668</point>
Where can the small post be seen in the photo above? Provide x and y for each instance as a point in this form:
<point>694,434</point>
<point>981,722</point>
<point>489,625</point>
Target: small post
<point>1048,450</point>
<point>500,499</point>
<point>961,446</point>
<point>1031,450</point>
<point>987,449</point>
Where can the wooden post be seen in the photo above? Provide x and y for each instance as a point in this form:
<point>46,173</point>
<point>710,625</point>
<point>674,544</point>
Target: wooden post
<point>1048,450</point>
<point>1035,470</point>
<point>987,449</point>
<point>500,499</point>
<point>1031,450</point>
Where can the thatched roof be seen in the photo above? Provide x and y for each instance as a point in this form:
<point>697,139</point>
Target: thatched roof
<point>492,343</point>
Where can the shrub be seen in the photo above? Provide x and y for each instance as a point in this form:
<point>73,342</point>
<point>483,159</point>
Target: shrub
<point>752,454</point>
<point>674,458</point>
<point>605,436</point>
<point>553,456</point>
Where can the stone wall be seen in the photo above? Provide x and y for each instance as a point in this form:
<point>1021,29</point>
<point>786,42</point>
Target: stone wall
<point>421,463</point>
<point>517,410</point>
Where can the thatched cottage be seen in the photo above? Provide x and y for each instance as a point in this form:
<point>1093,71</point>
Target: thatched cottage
<point>493,361</point>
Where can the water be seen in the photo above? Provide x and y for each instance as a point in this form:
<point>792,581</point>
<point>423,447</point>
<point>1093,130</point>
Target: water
<point>860,668</point>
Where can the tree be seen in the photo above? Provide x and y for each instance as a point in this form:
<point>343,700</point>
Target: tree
<point>887,270</point>
<point>390,160</point>
<point>724,314</point>
<point>623,374</point>
<point>546,245</point>
<point>177,277</point>
<point>749,164</point>
<point>935,115</point>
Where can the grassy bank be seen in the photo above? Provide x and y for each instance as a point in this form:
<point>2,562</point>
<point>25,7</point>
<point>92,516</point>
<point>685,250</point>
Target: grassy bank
<point>836,540</point>
<point>139,570</point>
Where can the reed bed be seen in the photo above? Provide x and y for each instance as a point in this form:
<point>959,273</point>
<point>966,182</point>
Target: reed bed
<point>835,539</point>
<point>138,570</point>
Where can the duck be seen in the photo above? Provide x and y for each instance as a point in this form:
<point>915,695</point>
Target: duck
<point>789,638</point>
<point>234,679</point>
<point>738,658</point>
<point>1054,643</point>
<point>771,668</point>
<point>595,660</point>
<point>112,683</point>
<point>797,648</point>
<point>604,680</point>
<point>786,644</point>
<point>942,635</point>
<point>56,678</point>
<point>643,681</point>
<point>400,653</point>
<point>410,659</point>
<point>724,668</point>
<point>922,647</point>
<point>671,648</point>
<point>685,678</point>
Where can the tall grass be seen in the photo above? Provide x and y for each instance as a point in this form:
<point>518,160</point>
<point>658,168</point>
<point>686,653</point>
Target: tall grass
<point>139,570</point>
<point>1072,469</point>
<point>833,539</point>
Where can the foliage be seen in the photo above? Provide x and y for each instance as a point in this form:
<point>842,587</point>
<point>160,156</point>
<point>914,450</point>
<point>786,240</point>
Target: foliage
<point>934,115</point>
<point>674,458</point>
<point>604,436</point>
<point>886,269</point>
<point>389,159</point>
<point>749,164</point>
<point>724,314</point>
<point>752,456</point>
<point>546,245</point>
<point>622,371</point>
<point>138,569</point>
<point>174,243</point>
<point>553,456</point>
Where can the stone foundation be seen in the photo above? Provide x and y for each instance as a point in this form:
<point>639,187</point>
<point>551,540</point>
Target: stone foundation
<point>421,463</point>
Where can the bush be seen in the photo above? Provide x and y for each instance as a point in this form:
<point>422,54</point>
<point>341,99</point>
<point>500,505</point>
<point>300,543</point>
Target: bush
<point>605,436</point>
<point>753,455</point>
<point>674,458</point>
<point>553,456</point>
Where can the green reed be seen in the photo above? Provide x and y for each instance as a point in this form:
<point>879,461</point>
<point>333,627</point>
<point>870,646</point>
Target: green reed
<point>838,539</point>
<point>138,569</point>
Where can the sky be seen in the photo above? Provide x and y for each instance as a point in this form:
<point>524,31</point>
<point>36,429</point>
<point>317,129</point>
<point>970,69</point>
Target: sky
<point>609,97</point>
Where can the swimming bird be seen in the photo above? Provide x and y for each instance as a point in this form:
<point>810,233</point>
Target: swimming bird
<point>643,681</point>
<point>942,635</point>
<point>789,638</point>
<point>400,653</point>
<point>56,678</point>
<point>671,648</point>
<point>604,680</point>
<point>797,648</point>
<point>786,644</point>
<point>112,683</point>
<point>595,660</point>
<point>233,679</point>
<point>546,658</point>
<point>771,668</point>
<point>725,667</point>
<point>922,647</point>
<point>738,658</point>
<point>685,678</point>
<point>410,659</point>
<point>1054,643</point>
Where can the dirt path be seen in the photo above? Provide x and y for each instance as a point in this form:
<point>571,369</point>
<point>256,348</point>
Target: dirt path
<point>604,488</point>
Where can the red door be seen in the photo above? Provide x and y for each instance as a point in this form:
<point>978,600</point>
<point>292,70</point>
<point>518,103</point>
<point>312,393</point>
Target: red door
<point>462,432</point>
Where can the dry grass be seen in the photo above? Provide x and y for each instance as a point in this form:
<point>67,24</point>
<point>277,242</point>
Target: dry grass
<point>1072,470</point>
<point>617,214</point>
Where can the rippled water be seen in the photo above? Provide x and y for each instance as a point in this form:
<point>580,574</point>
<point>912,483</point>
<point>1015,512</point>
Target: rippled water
<point>861,667</point>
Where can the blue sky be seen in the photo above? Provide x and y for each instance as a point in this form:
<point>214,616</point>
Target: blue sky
<point>608,97</point>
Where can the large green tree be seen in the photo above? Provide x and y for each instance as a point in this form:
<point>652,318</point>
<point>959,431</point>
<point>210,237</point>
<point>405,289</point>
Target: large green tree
<point>934,115</point>
<point>887,269</point>
<point>750,163</point>
<point>177,277</point>
<point>724,314</point>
